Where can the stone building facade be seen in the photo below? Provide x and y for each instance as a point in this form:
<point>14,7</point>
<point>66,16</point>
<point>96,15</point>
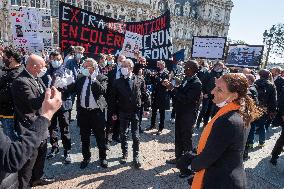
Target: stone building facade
<point>189,17</point>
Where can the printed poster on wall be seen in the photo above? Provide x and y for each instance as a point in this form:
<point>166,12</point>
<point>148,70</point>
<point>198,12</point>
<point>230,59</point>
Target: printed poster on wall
<point>208,47</point>
<point>101,34</point>
<point>249,56</point>
<point>31,28</point>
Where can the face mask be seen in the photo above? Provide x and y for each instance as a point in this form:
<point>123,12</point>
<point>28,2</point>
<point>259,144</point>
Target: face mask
<point>222,104</point>
<point>104,64</point>
<point>42,72</point>
<point>85,72</point>
<point>218,70</point>
<point>79,56</point>
<point>109,62</point>
<point>55,64</point>
<point>124,71</point>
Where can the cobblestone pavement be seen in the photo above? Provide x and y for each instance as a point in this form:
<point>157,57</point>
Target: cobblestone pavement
<point>155,173</point>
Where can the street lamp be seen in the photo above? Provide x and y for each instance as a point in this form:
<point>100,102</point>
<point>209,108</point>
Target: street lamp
<point>267,40</point>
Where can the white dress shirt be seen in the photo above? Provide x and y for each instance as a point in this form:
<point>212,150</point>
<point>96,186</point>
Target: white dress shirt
<point>92,102</point>
<point>118,72</point>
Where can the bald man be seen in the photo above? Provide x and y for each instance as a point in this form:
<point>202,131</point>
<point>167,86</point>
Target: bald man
<point>28,94</point>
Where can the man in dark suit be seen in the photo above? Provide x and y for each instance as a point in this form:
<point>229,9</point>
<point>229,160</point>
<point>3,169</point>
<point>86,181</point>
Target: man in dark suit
<point>187,97</point>
<point>90,88</point>
<point>28,94</point>
<point>15,154</point>
<point>127,95</point>
<point>63,116</point>
<point>112,76</point>
<point>160,96</point>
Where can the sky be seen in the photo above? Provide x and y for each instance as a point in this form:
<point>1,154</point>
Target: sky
<point>250,18</point>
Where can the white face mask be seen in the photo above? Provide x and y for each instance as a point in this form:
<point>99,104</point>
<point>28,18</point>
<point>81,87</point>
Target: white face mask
<point>222,104</point>
<point>79,56</point>
<point>85,72</point>
<point>42,72</point>
<point>55,63</point>
<point>124,71</point>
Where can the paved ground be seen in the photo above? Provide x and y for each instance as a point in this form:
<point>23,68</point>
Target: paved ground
<point>154,174</point>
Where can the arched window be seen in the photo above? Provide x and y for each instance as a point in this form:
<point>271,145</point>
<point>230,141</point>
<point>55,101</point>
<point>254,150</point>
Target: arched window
<point>54,6</point>
<point>88,5</point>
<point>16,2</point>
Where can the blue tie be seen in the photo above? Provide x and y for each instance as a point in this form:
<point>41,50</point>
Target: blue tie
<point>88,93</point>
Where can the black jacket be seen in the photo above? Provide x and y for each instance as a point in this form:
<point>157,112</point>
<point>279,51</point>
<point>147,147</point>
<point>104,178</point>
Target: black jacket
<point>209,83</point>
<point>204,77</point>
<point>123,99</point>
<point>6,98</point>
<point>279,84</point>
<point>98,88</point>
<point>13,155</point>
<point>266,95</point>
<point>160,95</point>
<point>222,156</point>
<point>187,97</point>
<point>28,98</point>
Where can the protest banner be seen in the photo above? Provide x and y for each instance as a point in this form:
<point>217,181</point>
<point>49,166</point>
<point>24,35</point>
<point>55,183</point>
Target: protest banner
<point>101,34</point>
<point>208,47</point>
<point>248,56</point>
<point>31,28</point>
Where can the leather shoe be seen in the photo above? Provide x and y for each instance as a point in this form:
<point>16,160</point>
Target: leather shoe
<point>150,128</point>
<point>159,132</point>
<point>52,153</point>
<point>42,181</point>
<point>67,159</point>
<point>136,164</point>
<point>103,163</point>
<point>171,161</point>
<point>84,163</point>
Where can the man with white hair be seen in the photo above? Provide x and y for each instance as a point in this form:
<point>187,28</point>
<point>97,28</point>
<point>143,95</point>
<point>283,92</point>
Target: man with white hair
<point>90,89</point>
<point>28,94</point>
<point>127,95</point>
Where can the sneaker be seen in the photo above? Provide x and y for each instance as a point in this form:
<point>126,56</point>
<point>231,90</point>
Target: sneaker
<point>104,163</point>
<point>84,163</point>
<point>171,161</point>
<point>52,153</point>
<point>67,159</point>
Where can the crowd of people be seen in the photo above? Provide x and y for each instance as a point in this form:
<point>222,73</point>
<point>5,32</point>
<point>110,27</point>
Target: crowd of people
<point>112,94</point>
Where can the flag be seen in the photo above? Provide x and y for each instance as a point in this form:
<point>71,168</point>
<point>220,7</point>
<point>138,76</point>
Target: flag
<point>178,56</point>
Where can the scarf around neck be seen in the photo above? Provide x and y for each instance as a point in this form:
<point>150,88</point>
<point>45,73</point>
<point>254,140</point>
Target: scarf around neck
<point>198,177</point>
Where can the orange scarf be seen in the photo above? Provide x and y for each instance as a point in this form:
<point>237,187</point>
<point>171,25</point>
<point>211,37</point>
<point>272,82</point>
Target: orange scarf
<point>198,177</point>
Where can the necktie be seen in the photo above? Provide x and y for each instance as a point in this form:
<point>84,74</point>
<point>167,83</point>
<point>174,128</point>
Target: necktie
<point>88,93</point>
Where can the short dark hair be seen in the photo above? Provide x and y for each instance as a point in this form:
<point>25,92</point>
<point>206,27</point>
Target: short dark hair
<point>264,74</point>
<point>54,53</point>
<point>194,66</point>
<point>16,54</point>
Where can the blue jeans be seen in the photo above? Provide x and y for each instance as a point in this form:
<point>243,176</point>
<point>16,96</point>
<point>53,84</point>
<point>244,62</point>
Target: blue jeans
<point>260,125</point>
<point>8,125</point>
